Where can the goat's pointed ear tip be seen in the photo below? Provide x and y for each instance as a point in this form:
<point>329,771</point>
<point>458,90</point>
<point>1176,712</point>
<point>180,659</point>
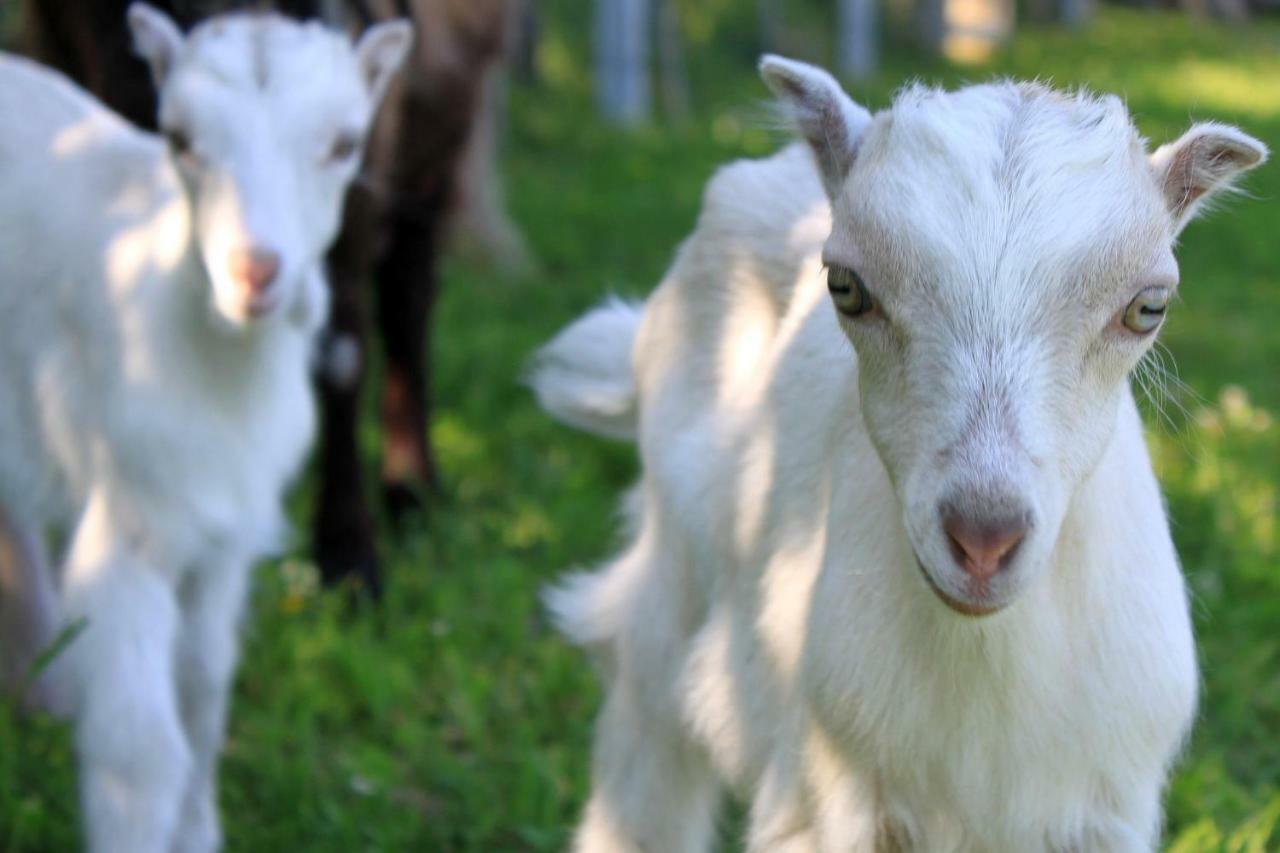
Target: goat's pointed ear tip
<point>141,14</point>
<point>388,39</point>
<point>156,36</point>
<point>398,30</point>
<point>1254,151</point>
<point>785,77</point>
<point>401,28</point>
<point>766,67</point>
<point>1247,151</point>
<point>773,65</point>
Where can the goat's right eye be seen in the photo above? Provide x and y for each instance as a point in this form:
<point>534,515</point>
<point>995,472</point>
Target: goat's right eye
<point>344,146</point>
<point>1146,312</point>
<point>849,294</point>
<point>179,142</point>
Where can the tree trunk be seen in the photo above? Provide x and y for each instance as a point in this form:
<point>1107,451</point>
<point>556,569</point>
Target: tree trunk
<point>671,73</point>
<point>770,22</point>
<point>622,60</point>
<point>1075,13</point>
<point>931,24</point>
<point>856,34</point>
<point>524,60</point>
<point>966,31</point>
<point>480,226</point>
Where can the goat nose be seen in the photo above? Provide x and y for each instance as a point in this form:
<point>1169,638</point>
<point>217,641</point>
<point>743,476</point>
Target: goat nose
<point>254,268</point>
<point>984,546</point>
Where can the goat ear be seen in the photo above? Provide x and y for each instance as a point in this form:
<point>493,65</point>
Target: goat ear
<point>1204,160</point>
<point>828,118</point>
<point>156,38</point>
<point>381,51</point>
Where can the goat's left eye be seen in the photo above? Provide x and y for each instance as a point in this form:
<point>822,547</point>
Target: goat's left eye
<point>849,294</point>
<point>179,142</point>
<point>1146,311</point>
<point>344,147</point>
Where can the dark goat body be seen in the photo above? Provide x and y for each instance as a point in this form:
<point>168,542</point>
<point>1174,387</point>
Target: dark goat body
<point>392,231</point>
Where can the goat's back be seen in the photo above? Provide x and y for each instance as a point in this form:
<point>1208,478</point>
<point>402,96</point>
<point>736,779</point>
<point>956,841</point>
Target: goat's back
<point>61,151</point>
<point>73,176</point>
<point>714,319</point>
<point>78,190</point>
<point>38,104</point>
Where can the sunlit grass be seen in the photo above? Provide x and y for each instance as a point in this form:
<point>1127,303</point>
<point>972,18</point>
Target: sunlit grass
<point>1220,473</point>
<point>1220,86</point>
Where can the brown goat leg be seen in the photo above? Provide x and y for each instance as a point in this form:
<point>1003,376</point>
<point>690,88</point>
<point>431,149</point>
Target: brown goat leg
<point>343,527</point>
<point>407,288</point>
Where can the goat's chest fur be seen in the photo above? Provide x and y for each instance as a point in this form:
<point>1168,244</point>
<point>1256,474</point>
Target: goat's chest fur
<point>1009,734</point>
<point>197,430</point>
<point>1019,733</point>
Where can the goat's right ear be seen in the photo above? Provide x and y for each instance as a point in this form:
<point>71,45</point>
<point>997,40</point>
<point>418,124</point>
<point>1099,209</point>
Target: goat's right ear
<point>156,38</point>
<point>381,51</point>
<point>828,118</point>
<point>1202,162</point>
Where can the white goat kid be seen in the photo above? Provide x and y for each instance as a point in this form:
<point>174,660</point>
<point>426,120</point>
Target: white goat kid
<point>158,306</point>
<point>920,594</point>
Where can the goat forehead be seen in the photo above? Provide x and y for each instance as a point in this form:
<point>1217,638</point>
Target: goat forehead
<point>271,54</point>
<point>984,137</point>
<point>1005,189</point>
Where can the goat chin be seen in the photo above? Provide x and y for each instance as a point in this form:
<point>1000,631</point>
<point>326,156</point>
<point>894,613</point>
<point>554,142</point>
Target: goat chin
<point>766,627</point>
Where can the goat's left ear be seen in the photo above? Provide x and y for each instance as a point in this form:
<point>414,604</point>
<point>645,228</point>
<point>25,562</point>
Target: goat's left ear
<point>381,51</point>
<point>828,118</point>
<point>1204,160</point>
<point>156,38</point>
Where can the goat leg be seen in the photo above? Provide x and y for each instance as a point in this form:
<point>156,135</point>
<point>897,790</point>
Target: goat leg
<point>343,533</point>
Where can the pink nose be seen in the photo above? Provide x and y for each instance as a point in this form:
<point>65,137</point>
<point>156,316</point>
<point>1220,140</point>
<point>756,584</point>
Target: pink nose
<point>983,546</point>
<point>255,269</point>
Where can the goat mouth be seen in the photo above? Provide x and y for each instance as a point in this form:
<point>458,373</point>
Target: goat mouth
<point>964,608</point>
<point>258,307</point>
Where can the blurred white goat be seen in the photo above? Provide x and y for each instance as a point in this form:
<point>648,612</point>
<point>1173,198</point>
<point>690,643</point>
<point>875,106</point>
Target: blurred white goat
<point>918,593</point>
<point>157,305</point>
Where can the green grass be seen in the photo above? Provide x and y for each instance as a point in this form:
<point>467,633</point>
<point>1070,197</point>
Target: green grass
<point>453,719</point>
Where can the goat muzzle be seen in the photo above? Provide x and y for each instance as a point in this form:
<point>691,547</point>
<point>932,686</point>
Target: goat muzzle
<point>254,269</point>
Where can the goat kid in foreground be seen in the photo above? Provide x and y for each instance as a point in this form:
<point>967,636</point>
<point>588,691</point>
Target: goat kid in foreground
<point>919,594</point>
<point>159,300</point>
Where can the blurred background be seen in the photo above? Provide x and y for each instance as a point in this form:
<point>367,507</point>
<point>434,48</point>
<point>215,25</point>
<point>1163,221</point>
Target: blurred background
<point>449,717</point>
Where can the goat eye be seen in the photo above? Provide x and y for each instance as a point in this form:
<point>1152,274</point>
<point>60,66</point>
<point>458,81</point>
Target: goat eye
<point>179,142</point>
<point>344,147</point>
<point>849,294</point>
<point>1146,311</point>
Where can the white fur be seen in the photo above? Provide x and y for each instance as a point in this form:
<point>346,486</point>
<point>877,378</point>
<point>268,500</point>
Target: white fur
<point>143,409</point>
<point>769,628</point>
<point>584,378</point>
